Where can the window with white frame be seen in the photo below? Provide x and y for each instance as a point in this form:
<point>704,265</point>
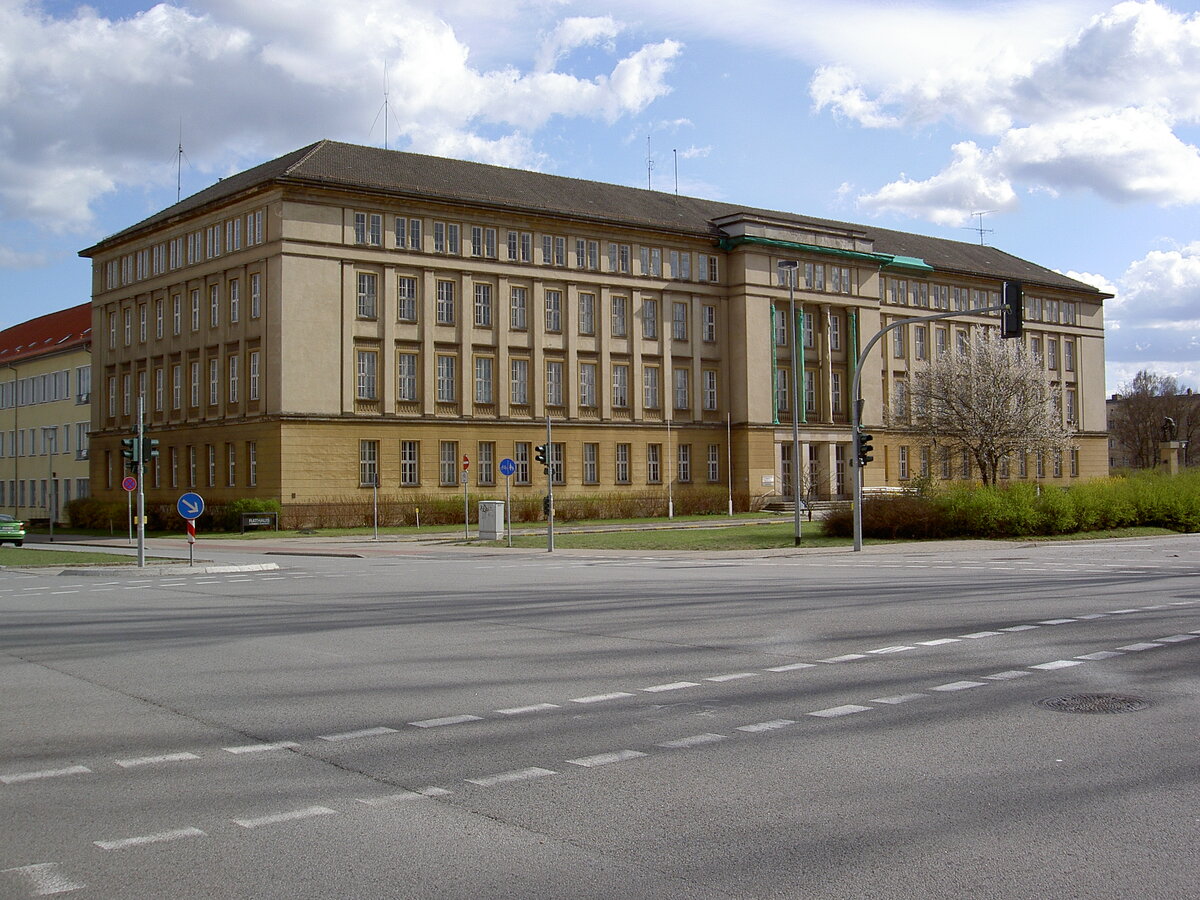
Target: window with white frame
<point>234,375</point>
<point>368,463</point>
<point>709,379</point>
<point>654,463</point>
<point>255,296</point>
<point>620,310</point>
<point>255,375</point>
<point>176,385</point>
<point>782,385</point>
<point>159,377</point>
<point>367,293</point>
<point>485,470</point>
<point>587,384</point>
<point>483,379</point>
<point>554,383</point>
<point>682,389</point>
<point>650,387</point>
<point>714,463</point>
<point>230,465</point>
<point>406,376</point>
<point>683,463</point>
<point>410,463</point>
<point>251,463</point>
<point>195,384</point>
<point>366,387</point>
<point>920,341</point>
<point>591,468</point>
<point>448,462</point>
<point>649,318</point>
<point>483,305</point>
<point>620,385</point>
<point>445,303</point>
<point>446,388</point>
<point>621,467</point>
<point>554,310</point>
<point>679,320</point>
<point>902,463</point>
<point>835,392</point>
<point>406,298</point>
<point>518,305</point>
<point>519,392</point>
<point>810,391</point>
<point>214,381</point>
<point>587,313</point>
<point>709,323</point>
<point>521,458</point>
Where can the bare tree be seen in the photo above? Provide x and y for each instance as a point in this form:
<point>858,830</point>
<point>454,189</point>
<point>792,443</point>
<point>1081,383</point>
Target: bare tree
<point>992,400</point>
<point>1146,402</point>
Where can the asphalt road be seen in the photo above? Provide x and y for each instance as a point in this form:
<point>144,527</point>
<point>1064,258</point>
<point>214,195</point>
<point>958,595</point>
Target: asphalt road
<point>433,722</point>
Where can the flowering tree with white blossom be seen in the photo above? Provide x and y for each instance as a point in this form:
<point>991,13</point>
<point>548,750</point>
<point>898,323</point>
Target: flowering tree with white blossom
<point>994,400</point>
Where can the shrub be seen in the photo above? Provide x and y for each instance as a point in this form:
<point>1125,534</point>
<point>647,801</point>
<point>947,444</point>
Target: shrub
<point>91,512</point>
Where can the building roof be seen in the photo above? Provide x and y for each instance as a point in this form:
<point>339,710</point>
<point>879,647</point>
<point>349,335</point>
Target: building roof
<point>54,332</point>
<point>352,167</point>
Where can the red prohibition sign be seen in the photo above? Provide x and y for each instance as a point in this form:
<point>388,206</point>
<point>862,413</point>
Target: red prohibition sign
<point>466,462</point>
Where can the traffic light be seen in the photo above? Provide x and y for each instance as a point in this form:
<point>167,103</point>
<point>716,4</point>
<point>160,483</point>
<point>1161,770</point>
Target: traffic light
<point>546,506</point>
<point>149,449</point>
<point>863,448</point>
<point>1013,315</point>
<point>540,456</point>
<point>129,450</point>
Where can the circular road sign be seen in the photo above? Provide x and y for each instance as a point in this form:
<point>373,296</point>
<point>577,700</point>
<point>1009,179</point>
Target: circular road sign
<point>190,505</point>
<point>129,483</point>
<point>507,467</point>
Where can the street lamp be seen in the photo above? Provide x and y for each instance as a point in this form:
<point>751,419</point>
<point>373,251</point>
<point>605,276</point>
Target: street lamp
<point>787,269</point>
<point>50,443</point>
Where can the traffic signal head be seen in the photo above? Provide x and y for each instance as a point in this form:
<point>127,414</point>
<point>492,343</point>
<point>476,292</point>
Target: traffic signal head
<point>1012,316</point>
<point>863,448</point>
<point>540,456</point>
<point>131,452</point>
<point>546,505</point>
<point>149,449</point>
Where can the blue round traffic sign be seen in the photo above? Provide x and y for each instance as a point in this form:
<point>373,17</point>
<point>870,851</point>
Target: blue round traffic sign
<point>190,505</point>
<point>507,467</point>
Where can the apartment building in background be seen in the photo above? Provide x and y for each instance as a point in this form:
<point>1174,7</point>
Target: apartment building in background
<point>45,413</point>
<point>344,316</point>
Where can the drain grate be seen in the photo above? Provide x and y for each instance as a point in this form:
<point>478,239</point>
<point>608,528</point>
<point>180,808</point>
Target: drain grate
<point>1094,703</point>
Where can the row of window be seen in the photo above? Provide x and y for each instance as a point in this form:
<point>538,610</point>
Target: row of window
<point>211,306</point>
<point>1067,403</point>
<point>822,277</point>
<point>42,493</point>
<point>49,387</point>
<point>215,240</point>
<point>589,462</point>
<point>45,440</point>
<point>486,313</point>
<point>924,295</point>
<point>446,373</point>
<point>1052,351</point>
<point>963,467</point>
<point>485,242</point>
<point>192,466</point>
<point>173,385</point>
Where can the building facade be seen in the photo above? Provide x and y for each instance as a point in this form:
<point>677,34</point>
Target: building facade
<point>345,314</point>
<point>45,413</point>
<point>1139,421</point>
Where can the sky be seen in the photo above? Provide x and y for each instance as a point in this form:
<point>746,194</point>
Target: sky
<point>1071,125</point>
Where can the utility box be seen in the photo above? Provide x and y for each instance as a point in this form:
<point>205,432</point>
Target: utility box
<point>491,520</point>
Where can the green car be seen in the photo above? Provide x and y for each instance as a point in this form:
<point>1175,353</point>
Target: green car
<point>12,531</point>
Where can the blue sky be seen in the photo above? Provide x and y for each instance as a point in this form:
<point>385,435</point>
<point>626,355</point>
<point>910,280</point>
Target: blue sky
<point>1074,123</point>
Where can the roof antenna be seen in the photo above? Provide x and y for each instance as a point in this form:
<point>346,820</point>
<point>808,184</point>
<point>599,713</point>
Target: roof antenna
<point>383,110</point>
<point>180,156</point>
<point>979,228</point>
<point>649,164</point>
<point>675,153</point>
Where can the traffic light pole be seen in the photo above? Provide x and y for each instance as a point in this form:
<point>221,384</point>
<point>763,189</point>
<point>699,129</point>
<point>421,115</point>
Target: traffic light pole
<point>550,486</point>
<point>856,386</point>
<point>141,488</point>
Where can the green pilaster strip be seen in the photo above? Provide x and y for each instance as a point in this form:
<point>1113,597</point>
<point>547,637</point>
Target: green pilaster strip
<point>883,260</point>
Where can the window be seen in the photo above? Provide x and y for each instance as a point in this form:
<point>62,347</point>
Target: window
<point>410,463</point>
<point>591,472</point>
<point>898,343</point>
<point>360,228</point>
<point>517,307</point>
<point>580,253</point>
<point>810,331</point>
<point>191,466</point>
<point>1068,347</point>
<point>560,251</point>
<point>521,458</point>
<point>557,463</point>
<point>709,377</point>
<point>439,237</point>
<point>679,321</point>
<point>255,372</point>
<point>212,464</point>
<point>406,298</point>
<point>230,465</point>
<point>1071,407</point>
<point>483,379</point>
<point>446,391</point>
<point>176,313</point>
<point>255,296</point>
<point>835,392</point>
<point>709,323</point>
<point>483,306</point>
<point>195,384</point>
<point>714,463</point>
<point>251,463</point>
<point>681,385</point>
<point>903,463</point>
<point>920,340</point>
<point>960,340</point>
<point>406,376</point>
<point>587,313</point>
<point>448,462</point>
<point>214,305</point>
<point>650,387</point>
<point>400,228</point>
<point>964,464</point>
<point>649,319</point>
<point>158,388</point>
<point>520,382</point>
<point>782,381</point>
<point>939,342</point>
<point>445,302</point>
<point>513,238</point>
<point>476,240</point>
<point>554,310</point>
<point>214,381</point>
<point>810,391</point>
<point>158,319</point>
<point>683,460</point>
<point>485,472</point>
<point>367,360</point>
<point>368,463</point>
<point>780,318</point>
<point>366,295</point>
<point>900,400</point>
<point>587,384</point>
<point>235,301</point>
<point>654,463</point>
<point>176,386</point>
<point>1052,353</point>
<point>234,377</point>
<point>526,247</point>
<point>554,383</point>
<point>621,472</point>
<point>128,320</point>
<point>620,386</point>
<point>620,307</point>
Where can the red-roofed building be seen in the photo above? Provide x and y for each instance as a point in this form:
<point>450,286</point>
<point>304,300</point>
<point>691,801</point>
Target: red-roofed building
<point>45,413</point>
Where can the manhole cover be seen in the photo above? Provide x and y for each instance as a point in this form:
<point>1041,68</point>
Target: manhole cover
<point>1094,703</point>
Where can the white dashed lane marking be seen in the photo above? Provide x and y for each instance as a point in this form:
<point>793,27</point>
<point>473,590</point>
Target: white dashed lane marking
<point>604,759</point>
<point>445,720</point>
<point>938,642</point>
<point>1015,628</point>
<point>898,699</point>
<point>45,879</point>
<point>772,725</point>
<point>517,775</point>
<point>600,698</point>
<point>19,777</point>
<point>837,711</point>
<point>845,657</point>
<point>261,748</point>
<point>899,648</point>
<point>958,685</point>
<point>155,760</point>
<point>308,812</point>
<point>734,676</point>
<point>695,740</point>
<point>159,838</point>
<point>791,667</point>
<point>981,634</point>
<point>355,735</point>
<point>1008,676</point>
<point>1176,638</point>
<point>1057,664</point>
<point>1101,654</point>
<point>521,710</point>
<point>672,686</point>
<point>1137,648</point>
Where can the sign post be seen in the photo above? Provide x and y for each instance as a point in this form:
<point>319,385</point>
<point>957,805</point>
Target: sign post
<point>129,484</point>
<point>507,468</point>
<point>466,464</point>
<point>190,507</point>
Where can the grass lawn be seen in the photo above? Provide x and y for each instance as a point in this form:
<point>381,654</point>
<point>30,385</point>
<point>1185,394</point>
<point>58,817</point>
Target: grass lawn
<point>743,537</point>
<point>20,557</point>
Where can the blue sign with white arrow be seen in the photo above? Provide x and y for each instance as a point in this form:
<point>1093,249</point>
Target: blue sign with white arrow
<point>507,467</point>
<point>190,505</point>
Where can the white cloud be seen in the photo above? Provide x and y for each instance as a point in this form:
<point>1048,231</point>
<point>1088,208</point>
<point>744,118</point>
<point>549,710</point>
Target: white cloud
<point>91,105</point>
<point>16,259</point>
<point>971,182</point>
<point>695,152</point>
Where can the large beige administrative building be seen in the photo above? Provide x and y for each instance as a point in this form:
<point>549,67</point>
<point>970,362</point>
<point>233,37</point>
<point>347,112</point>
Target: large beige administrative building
<point>346,312</point>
